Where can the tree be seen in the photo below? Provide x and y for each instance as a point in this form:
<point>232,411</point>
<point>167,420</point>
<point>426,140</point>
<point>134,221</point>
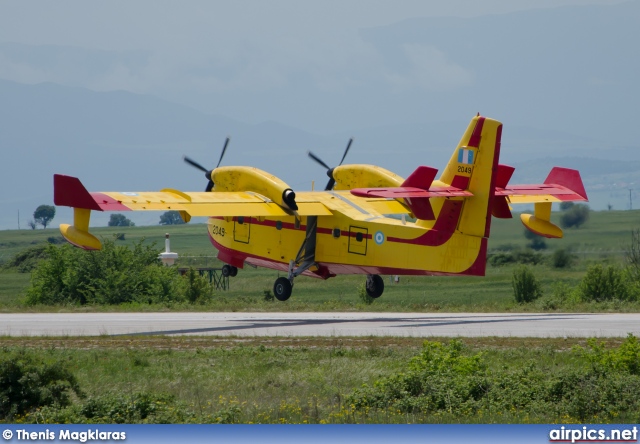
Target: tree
<point>575,216</point>
<point>171,218</point>
<point>118,220</point>
<point>44,214</point>
<point>536,242</point>
<point>564,206</point>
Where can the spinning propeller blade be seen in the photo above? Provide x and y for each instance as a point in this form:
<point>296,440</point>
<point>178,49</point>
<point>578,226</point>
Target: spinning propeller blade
<point>207,173</point>
<point>332,181</point>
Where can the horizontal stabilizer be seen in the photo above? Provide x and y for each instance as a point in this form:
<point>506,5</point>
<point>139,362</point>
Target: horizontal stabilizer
<point>416,191</point>
<point>500,206</point>
<point>421,178</point>
<point>567,178</point>
<point>410,192</point>
<point>562,184</point>
<point>504,175</point>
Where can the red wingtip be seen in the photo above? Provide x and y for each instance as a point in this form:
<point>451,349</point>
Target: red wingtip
<point>68,191</point>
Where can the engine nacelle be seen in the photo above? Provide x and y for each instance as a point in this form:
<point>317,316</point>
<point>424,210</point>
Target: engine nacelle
<point>348,177</point>
<point>236,178</point>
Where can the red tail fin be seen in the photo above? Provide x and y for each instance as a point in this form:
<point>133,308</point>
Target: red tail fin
<point>568,178</point>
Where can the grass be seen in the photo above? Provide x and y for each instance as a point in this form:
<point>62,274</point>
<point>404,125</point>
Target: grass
<point>603,238</point>
<point>276,380</point>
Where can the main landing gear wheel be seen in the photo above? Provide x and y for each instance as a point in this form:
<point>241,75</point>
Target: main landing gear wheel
<point>374,286</point>
<point>282,289</point>
<point>229,270</point>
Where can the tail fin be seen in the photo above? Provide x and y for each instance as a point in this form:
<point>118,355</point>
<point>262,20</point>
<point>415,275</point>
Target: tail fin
<point>473,167</point>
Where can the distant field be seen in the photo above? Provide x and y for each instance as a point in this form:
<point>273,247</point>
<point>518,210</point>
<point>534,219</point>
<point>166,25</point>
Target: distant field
<point>604,237</point>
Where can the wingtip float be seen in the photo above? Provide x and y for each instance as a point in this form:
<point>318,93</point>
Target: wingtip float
<point>358,224</point>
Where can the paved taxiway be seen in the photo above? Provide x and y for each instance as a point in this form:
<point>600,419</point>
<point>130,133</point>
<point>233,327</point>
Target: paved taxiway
<point>322,324</point>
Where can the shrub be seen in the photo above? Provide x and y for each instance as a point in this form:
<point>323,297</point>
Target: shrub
<point>27,384</point>
<point>267,295</point>
<point>449,384</point>
<point>196,288</point>
<point>28,259</point>
<point>525,285</point>
<point>364,296</point>
<point>499,259</point>
<point>603,284</point>
<point>625,358</point>
<point>632,255</point>
<point>113,275</point>
<point>529,257</point>
<point>561,258</point>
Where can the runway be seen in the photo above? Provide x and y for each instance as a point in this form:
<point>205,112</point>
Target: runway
<point>324,324</point>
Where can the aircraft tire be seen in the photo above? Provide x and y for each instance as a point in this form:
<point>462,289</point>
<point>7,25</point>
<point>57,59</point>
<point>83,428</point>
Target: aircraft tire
<point>374,286</point>
<point>226,270</point>
<point>282,289</point>
<point>234,272</point>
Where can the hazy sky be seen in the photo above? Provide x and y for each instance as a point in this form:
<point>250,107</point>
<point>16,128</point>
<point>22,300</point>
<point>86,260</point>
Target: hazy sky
<point>313,66</point>
<point>245,47</point>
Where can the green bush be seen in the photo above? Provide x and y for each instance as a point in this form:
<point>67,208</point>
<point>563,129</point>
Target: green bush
<point>28,259</point>
<point>267,296</point>
<point>118,408</point>
<point>447,383</point>
<point>27,383</point>
<point>499,259</point>
<point>516,256</point>
<point>526,287</point>
<point>113,275</point>
<point>363,295</point>
<point>562,259</point>
<point>625,358</point>
<point>604,284</point>
<point>196,288</point>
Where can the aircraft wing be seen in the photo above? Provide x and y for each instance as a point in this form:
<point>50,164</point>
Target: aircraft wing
<point>69,191</point>
<point>356,207</point>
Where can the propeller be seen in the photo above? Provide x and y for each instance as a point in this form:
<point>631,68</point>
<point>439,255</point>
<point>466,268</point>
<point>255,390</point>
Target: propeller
<point>332,181</point>
<point>207,173</point>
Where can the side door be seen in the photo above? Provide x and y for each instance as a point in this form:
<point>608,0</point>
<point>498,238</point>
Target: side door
<point>242,229</point>
<point>358,240</point>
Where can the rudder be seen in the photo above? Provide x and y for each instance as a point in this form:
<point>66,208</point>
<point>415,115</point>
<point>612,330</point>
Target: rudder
<point>473,167</point>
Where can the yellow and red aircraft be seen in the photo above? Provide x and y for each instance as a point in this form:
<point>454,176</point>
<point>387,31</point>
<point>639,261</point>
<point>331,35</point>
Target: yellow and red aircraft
<point>362,223</point>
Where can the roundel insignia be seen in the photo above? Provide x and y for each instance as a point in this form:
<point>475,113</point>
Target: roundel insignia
<point>379,237</point>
